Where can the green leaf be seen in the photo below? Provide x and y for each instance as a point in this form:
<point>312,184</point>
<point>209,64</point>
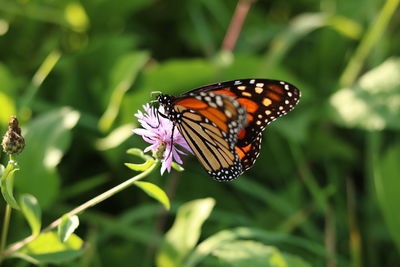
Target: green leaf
<point>31,209</point>
<point>47,248</point>
<point>387,184</point>
<point>139,153</point>
<point>7,92</point>
<point>374,102</point>
<point>47,138</point>
<point>140,167</point>
<point>122,77</point>
<point>1,170</point>
<point>116,137</point>
<point>155,192</point>
<point>221,238</point>
<point>177,167</point>
<point>67,227</point>
<point>7,108</point>
<point>244,253</point>
<point>185,232</point>
<point>7,184</point>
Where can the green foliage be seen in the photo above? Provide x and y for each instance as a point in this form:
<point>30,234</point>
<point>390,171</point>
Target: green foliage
<point>67,227</point>
<point>47,248</point>
<point>374,102</point>
<point>32,212</point>
<point>249,253</point>
<point>185,232</point>
<point>323,191</point>
<point>155,192</point>
<point>387,184</point>
<point>48,137</point>
<point>7,183</point>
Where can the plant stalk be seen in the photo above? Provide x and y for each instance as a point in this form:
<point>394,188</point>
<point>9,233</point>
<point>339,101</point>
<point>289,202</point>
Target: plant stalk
<point>79,209</point>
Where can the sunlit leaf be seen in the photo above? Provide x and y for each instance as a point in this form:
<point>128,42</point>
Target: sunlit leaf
<point>206,247</point>
<point>374,103</point>
<point>32,212</point>
<point>139,153</point>
<point>155,192</point>
<point>177,167</point>
<point>240,253</point>
<point>76,17</point>
<point>122,77</point>
<point>47,138</point>
<point>140,167</point>
<point>48,248</point>
<point>185,232</point>
<point>7,184</point>
<point>67,227</point>
<point>7,108</point>
<point>116,137</point>
<point>1,170</point>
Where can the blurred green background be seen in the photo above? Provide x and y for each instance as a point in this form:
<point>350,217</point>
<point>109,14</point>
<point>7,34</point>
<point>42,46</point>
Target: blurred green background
<point>326,188</point>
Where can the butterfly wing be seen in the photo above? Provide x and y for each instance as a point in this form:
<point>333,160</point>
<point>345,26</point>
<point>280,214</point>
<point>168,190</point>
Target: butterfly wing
<point>210,124</point>
<point>249,153</point>
<point>264,100</point>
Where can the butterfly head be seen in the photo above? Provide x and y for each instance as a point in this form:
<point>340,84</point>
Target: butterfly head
<point>167,102</point>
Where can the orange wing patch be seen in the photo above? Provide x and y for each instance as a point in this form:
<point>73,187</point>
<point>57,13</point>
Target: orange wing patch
<point>275,88</point>
<point>243,150</point>
<point>215,116</point>
<point>225,92</point>
<point>248,104</point>
<point>274,96</point>
<point>191,103</point>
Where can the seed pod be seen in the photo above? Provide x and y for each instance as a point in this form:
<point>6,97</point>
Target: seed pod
<point>13,142</point>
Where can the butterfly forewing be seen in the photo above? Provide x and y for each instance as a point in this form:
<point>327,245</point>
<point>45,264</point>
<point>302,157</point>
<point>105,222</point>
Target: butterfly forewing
<point>264,100</point>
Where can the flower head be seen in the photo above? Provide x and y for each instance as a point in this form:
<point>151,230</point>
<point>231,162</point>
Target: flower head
<point>160,133</point>
<point>13,142</point>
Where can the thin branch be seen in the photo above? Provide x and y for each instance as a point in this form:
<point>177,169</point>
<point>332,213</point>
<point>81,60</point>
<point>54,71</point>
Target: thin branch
<point>236,24</point>
<point>79,209</point>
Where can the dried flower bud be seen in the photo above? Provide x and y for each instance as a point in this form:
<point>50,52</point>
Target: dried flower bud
<point>13,142</point>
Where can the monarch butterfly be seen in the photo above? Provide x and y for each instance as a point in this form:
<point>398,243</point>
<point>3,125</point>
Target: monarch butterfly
<point>223,122</point>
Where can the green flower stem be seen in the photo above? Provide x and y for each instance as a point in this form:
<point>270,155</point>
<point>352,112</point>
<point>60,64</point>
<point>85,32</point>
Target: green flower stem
<point>4,231</point>
<point>81,208</point>
<point>371,38</point>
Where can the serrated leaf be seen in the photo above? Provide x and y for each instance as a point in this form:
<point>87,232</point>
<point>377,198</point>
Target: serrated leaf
<point>7,184</point>
<point>48,248</point>
<point>155,192</point>
<point>67,227</point>
<point>140,167</point>
<point>185,232</point>
<point>31,209</point>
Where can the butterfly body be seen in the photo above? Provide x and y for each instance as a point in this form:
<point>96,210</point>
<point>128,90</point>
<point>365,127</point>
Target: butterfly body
<point>223,122</point>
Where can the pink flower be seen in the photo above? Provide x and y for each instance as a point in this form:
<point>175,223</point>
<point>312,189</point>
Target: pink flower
<point>157,131</point>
